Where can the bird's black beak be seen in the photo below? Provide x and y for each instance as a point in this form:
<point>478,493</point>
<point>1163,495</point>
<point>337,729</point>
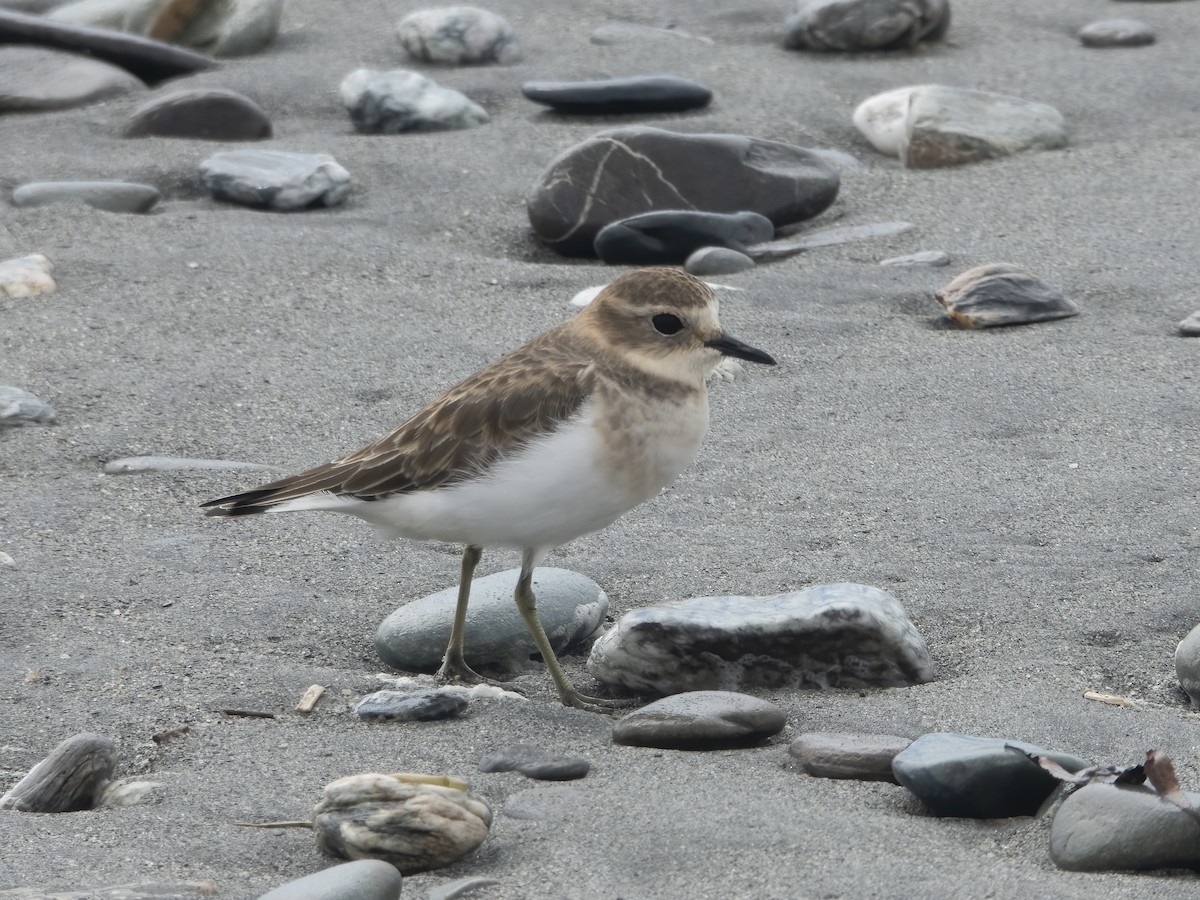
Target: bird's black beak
<point>728,345</point>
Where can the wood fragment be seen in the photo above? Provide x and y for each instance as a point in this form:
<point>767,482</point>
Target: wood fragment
<point>167,734</point>
<point>68,780</point>
<point>273,824</point>
<point>1110,699</point>
<point>247,713</point>
<point>308,702</point>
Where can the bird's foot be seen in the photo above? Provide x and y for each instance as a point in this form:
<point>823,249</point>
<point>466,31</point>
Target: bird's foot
<point>456,671</point>
<point>604,705</point>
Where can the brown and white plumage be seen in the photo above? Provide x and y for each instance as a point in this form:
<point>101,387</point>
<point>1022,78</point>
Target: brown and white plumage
<point>555,440</point>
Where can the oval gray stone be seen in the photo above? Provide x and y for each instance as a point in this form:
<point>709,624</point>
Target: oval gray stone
<point>534,762</point>
<point>717,261</point>
<point>866,24</point>
<point>458,34</point>
<point>620,96</point>
<point>700,720</point>
<point>35,78</point>
<point>570,606</point>
<point>210,114</point>
<point>623,172</point>
<point>1002,294</point>
<point>1116,33</point>
<point>398,101</point>
<point>402,706</point>
<point>110,196</point>
<point>866,757</point>
<point>1104,827</point>
<point>363,879</point>
<point>278,179</point>
<point>833,635</point>
<point>669,237</point>
<point>18,407</point>
<point>976,777</point>
<point>1190,327</point>
<point>1187,664</point>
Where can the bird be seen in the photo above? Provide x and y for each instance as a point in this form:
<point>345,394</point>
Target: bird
<point>553,441</point>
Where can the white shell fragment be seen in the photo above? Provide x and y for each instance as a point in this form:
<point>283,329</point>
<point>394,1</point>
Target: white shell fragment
<point>26,276</point>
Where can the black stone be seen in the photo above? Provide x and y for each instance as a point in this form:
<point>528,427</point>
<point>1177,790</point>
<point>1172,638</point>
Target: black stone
<point>622,172</point>
<point>533,762</point>
<point>211,114</point>
<point>670,237</point>
<point>614,96</point>
<point>395,706</point>
<point>151,61</point>
<point>979,778</point>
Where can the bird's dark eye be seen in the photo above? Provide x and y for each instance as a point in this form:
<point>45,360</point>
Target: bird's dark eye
<point>665,323</point>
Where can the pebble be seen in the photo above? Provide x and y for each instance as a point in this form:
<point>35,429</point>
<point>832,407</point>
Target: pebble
<point>398,101</point>
<point>278,179</point>
<point>210,114</point>
<point>669,237</point>
<point>865,757</point>
<point>832,635</point>
<point>615,96</point>
<point>110,196</point>
<point>570,606</point>
<point>534,762</point>
<point>26,276</point>
<point>18,407</point>
<point>700,720</point>
<point>34,79</point>
<point>827,237</point>
<point>1002,294</point>
<point>866,24</point>
<point>363,879</point>
<point>70,779</point>
<point>631,33</point>
<point>931,126</point>
<point>924,258</point>
<point>1104,827</point>
<point>1187,664</point>
<point>130,465</point>
<point>622,172</point>
<point>412,825</point>
<point>976,777</point>
<point>717,261</point>
<point>457,35</point>
<point>1190,327</point>
<point>1116,33</point>
<point>404,706</point>
<point>229,28</point>
<point>151,61</point>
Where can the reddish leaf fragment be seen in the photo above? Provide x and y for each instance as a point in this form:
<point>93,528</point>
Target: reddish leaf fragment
<point>1161,773</point>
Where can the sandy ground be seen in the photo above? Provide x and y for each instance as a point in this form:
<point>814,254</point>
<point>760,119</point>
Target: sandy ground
<point>1029,494</point>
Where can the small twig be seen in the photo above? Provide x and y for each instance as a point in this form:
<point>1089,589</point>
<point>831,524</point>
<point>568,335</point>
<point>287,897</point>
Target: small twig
<point>309,701</point>
<point>273,824</point>
<point>247,713</point>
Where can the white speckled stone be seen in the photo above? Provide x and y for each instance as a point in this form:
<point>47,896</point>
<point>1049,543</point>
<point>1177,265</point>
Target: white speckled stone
<point>457,35</point>
<point>398,101</point>
<point>833,635</point>
<point>26,276</point>
<point>278,179</point>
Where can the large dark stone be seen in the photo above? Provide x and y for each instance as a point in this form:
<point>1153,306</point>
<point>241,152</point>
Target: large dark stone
<point>210,114</point>
<point>151,61</point>
<point>622,172</point>
<point>670,237</point>
<point>976,777</point>
<point>642,94</point>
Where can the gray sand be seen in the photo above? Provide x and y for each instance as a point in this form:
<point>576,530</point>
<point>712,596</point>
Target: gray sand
<point>1028,494</point>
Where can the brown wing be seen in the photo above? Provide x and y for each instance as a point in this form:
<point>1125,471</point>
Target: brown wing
<point>499,408</point>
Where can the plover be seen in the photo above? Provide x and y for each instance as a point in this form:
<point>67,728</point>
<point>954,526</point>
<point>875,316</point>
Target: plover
<point>553,441</point>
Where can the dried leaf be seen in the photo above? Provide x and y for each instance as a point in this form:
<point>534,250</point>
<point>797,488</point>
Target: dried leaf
<point>1161,773</point>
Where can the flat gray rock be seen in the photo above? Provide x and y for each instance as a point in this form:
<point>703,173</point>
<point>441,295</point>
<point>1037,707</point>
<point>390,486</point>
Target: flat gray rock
<point>18,407</point>
<point>865,757</point>
<point>866,24</point>
<point>611,33</point>
<point>406,706</point>
<point>37,78</point>
<point>398,101</point>
<point>620,96</point>
<point>826,237</point>
<point>717,261</point>
<point>571,607</point>
<point>278,179</point>
<point>1116,33</point>
<point>1106,827</point>
<point>932,258</point>
<point>977,777</point>
<point>832,635</point>
<point>1190,326</point>
<point>1002,294</point>
<point>458,35</point>
<point>624,172</point>
<point>151,61</point>
<point>1187,664</point>
<point>110,196</point>
<point>363,879</point>
<point>669,237</point>
<point>534,762</point>
<point>209,114</point>
<point>700,720</point>
<point>129,465</point>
